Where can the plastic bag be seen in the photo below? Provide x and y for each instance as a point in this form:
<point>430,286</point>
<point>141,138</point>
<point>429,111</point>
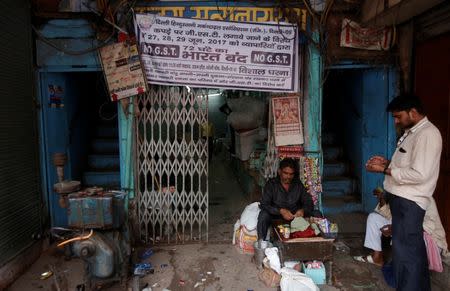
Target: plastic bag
<point>274,259</point>
<point>243,120</point>
<point>249,217</point>
<point>247,112</point>
<point>292,280</point>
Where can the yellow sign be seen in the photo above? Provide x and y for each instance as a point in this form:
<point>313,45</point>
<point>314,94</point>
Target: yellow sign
<point>239,14</point>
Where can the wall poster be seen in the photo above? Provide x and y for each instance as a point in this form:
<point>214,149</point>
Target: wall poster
<point>123,70</point>
<point>287,122</point>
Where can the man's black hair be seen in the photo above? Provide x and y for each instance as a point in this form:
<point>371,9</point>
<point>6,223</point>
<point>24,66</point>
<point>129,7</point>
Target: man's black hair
<point>291,163</point>
<point>405,103</point>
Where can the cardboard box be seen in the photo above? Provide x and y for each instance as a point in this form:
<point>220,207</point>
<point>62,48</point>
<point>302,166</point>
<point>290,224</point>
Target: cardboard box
<point>317,275</point>
<point>269,277</point>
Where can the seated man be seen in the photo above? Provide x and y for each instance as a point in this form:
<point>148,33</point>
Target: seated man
<point>379,223</point>
<point>284,197</point>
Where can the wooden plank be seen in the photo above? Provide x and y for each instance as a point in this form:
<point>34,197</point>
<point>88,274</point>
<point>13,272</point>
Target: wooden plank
<point>403,11</point>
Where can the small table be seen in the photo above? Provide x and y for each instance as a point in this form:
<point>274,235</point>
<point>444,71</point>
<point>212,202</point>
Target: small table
<point>305,249</point>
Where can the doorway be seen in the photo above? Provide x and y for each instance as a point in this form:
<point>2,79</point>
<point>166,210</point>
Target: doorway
<point>77,119</point>
<point>355,127</point>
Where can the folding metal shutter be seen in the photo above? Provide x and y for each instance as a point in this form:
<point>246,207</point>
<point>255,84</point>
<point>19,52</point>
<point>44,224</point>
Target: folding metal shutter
<point>20,197</point>
<point>172,165</point>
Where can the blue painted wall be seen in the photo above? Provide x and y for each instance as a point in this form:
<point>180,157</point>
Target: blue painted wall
<point>66,130</point>
<point>54,137</point>
<point>379,87</point>
<point>73,36</point>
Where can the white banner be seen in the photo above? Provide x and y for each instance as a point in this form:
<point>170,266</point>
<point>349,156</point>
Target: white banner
<point>218,54</point>
<point>372,38</point>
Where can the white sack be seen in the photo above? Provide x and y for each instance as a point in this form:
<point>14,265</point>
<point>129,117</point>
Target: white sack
<point>292,280</point>
<point>249,217</point>
<point>274,259</point>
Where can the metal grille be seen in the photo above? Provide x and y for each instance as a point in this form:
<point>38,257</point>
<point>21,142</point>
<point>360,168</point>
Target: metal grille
<point>172,165</point>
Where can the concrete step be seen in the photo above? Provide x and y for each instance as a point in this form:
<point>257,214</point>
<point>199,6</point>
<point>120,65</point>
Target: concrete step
<point>337,185</point>
<point>103,162</point>
<point>334,169</point>
<point>104,131</point>
<point>344,204</point>
<point>102,179</point>
<point>331,153</point>
<point>105,146</point>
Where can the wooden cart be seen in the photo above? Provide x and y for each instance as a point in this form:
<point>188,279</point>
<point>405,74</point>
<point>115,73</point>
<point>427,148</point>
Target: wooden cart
<point>305,249</point>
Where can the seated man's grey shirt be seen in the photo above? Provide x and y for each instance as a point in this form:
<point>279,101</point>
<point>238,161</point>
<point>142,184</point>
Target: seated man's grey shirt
<point>276,197</point>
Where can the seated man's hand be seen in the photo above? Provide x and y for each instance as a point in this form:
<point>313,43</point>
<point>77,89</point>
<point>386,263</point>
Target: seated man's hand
<point>300,213</point>
<point>286,214</point>
<point>386,230</point>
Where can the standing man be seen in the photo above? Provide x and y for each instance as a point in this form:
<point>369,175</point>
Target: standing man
<point>411,178</point>
<point>284,197</point>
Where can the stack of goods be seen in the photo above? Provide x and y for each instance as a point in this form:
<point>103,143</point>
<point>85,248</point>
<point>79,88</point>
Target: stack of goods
<point>245,234</point>
<point>299,228</point>
<point>294,152</point>
<point>328,229</point>
<point>310,177</point>
<point>302,228</point>
<point>245,240</point>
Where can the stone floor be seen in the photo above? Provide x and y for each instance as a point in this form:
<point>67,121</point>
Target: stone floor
<point>212,266</point>
<point>216,265</point>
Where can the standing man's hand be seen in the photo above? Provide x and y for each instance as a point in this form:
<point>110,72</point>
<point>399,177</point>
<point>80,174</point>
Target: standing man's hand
<point>378,160</point>
<point>286,214</point>
<point>300,213</point>
<point>377,164</point>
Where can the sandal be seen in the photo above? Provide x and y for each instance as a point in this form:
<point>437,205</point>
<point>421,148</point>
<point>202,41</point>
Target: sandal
<point>366,259</point>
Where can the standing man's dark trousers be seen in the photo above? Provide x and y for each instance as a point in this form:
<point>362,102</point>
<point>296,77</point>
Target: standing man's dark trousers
<point>264,222</point>
<point>409,255</point>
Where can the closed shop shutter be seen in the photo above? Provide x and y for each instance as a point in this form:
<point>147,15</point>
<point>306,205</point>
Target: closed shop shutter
<point>20,192</point>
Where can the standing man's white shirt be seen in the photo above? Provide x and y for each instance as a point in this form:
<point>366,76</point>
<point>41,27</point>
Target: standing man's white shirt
<point>415,164</point>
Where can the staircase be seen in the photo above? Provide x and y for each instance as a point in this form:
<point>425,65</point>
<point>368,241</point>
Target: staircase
<point>103,160</point>
<point>339,187</point>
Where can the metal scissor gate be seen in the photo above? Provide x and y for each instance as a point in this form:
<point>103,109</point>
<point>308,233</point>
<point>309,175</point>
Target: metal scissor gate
<point>172,165</point>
